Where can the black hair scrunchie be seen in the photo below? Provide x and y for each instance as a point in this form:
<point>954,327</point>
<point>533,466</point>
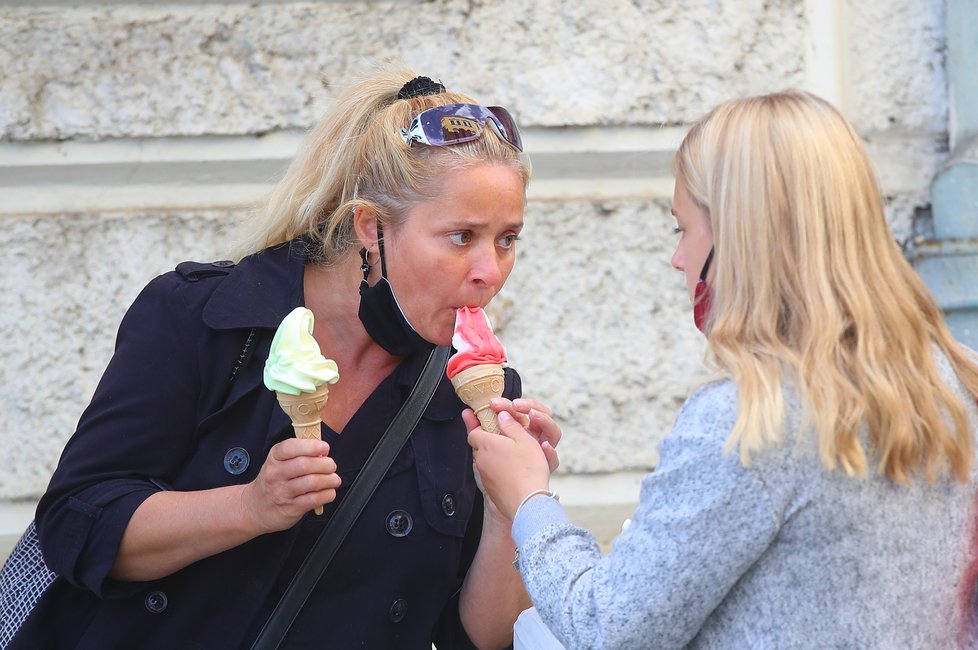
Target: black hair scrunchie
<point>420,87</point>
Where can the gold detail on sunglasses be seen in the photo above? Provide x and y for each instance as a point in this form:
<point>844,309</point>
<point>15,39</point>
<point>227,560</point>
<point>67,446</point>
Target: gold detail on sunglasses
<point>455,124</point>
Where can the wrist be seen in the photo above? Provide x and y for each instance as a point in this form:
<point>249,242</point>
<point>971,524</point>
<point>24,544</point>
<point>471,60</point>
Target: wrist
<point>540,492</point>
<point>529,497</point>
<point>249,522</point>
<point>494,519</point>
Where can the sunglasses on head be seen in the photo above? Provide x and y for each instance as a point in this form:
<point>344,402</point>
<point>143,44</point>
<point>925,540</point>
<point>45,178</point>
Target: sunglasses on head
<point>443,126</point>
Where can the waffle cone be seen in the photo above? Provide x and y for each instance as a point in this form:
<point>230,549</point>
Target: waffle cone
<point>475,386</point>
<point>304,410</point>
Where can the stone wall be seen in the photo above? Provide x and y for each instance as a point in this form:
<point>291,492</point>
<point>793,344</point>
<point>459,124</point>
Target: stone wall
<point>135,135</point>
<point>117,70</point>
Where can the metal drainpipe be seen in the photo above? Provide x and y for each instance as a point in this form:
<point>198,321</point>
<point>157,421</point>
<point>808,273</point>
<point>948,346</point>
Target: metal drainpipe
<point>948,262</point>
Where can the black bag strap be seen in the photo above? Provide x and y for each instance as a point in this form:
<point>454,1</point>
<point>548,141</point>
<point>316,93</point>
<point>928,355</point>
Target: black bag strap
<point>349,509</point>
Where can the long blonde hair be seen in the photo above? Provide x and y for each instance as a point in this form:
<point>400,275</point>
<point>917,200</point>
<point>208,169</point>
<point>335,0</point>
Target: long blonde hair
<point>811,288</point>
<point>355,156</point>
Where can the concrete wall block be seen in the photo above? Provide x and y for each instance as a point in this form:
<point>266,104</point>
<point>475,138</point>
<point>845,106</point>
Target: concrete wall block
<point>139,70</point>
<point>895,66</point>
<point>900,210</point>
<point>67,284</point>
<point>896,96</point>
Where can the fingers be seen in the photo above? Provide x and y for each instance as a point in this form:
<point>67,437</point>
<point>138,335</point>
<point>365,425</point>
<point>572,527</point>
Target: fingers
<point>284,464</point>
<point>551,455</point>
<point>518,418</point>
<point>311,490</point>
<point>534,416</point>
<point>509,464</point>
<point>500,404</point>
<point>526,404</point>
<point>295,447</point>
<point>544,427</point>
<point>509,427</point>
<point>297,476</point>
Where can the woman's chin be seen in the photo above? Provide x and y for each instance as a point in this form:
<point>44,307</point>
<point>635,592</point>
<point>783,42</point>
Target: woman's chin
<point>438,330</point>
<point>442,340</point>
<point>443,336</point>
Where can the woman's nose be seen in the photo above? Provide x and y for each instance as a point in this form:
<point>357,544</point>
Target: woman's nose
<point>676,261</point>
<point>487,269</point>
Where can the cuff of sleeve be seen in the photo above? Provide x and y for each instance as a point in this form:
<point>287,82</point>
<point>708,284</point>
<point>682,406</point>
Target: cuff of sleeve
<point>80,538</point>
<point>535,515</point>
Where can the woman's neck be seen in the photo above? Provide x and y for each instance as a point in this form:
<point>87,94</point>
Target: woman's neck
<point>332,293</point>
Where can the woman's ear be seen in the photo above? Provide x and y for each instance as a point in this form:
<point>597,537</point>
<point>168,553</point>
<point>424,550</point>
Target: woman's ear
<point>365,226</point>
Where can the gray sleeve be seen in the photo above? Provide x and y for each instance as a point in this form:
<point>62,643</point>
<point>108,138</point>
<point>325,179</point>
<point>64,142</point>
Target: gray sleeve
<point>702,521</point>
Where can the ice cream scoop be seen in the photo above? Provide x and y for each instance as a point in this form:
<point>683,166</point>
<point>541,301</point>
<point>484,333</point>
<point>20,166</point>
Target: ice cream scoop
<point>299,374</point>
<point>476,368</point>
<point>295,365</point>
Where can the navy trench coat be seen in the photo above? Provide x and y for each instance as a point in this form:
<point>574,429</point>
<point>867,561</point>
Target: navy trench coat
<point>182,406</point>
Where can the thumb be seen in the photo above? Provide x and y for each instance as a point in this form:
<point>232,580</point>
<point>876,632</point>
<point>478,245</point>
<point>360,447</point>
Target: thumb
<point>470,420</point>
<point>509,427</point>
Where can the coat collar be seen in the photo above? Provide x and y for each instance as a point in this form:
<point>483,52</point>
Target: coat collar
<point>261,290</point>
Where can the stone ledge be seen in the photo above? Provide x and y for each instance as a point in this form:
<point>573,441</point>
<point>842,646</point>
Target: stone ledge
<point>53,178</point>
<point>569,163</point>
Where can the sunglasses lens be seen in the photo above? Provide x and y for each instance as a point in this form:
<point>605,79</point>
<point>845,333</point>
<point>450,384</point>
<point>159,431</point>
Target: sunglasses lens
<point>457,123</point>
<point>507,126</point>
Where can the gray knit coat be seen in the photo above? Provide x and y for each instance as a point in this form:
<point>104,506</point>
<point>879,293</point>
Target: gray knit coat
<point>780,554</point>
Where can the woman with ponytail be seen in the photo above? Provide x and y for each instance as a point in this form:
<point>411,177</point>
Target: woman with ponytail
<point>183,505</point>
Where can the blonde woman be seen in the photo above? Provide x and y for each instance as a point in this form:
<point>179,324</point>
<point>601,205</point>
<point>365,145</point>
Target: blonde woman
<point>821,493</point>
<point>183,504</point>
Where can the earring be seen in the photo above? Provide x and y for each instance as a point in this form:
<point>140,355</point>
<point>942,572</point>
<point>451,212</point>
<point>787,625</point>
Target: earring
<point>364,264</point>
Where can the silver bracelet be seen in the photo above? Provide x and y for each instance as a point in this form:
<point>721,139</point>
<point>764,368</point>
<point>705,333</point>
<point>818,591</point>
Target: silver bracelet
<point>541,491</point>
<point>535,493</point>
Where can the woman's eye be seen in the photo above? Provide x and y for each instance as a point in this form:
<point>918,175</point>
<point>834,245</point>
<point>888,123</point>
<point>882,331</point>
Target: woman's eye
<point>460,238</point>
<point>677,231</point>
<point>508,241</point>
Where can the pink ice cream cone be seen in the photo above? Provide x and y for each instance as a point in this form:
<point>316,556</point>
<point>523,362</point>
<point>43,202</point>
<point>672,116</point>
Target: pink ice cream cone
<point>476,369</point>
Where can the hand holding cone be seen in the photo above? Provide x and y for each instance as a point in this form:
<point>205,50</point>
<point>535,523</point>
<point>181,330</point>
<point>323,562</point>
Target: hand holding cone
<point>300,375</point>
<point>475,386</point>
<point>305,411</point>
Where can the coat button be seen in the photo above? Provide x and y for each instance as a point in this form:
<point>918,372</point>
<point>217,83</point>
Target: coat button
<point>398,610</point>
<point>399,523</point>
<point>155,602</point>
<point>236,461</point>
<point>448,505</point>
<point>224,263</point>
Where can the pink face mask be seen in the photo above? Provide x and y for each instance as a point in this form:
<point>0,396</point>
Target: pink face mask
<point>702,296</point>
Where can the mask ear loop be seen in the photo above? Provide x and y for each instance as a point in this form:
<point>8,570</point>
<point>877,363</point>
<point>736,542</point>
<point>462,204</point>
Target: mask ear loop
<point>706,265</point>
<point>380,244</point>
<point>365,265</point>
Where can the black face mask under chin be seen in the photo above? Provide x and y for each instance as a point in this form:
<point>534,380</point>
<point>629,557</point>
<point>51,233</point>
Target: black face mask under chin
<point>382,317</point>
